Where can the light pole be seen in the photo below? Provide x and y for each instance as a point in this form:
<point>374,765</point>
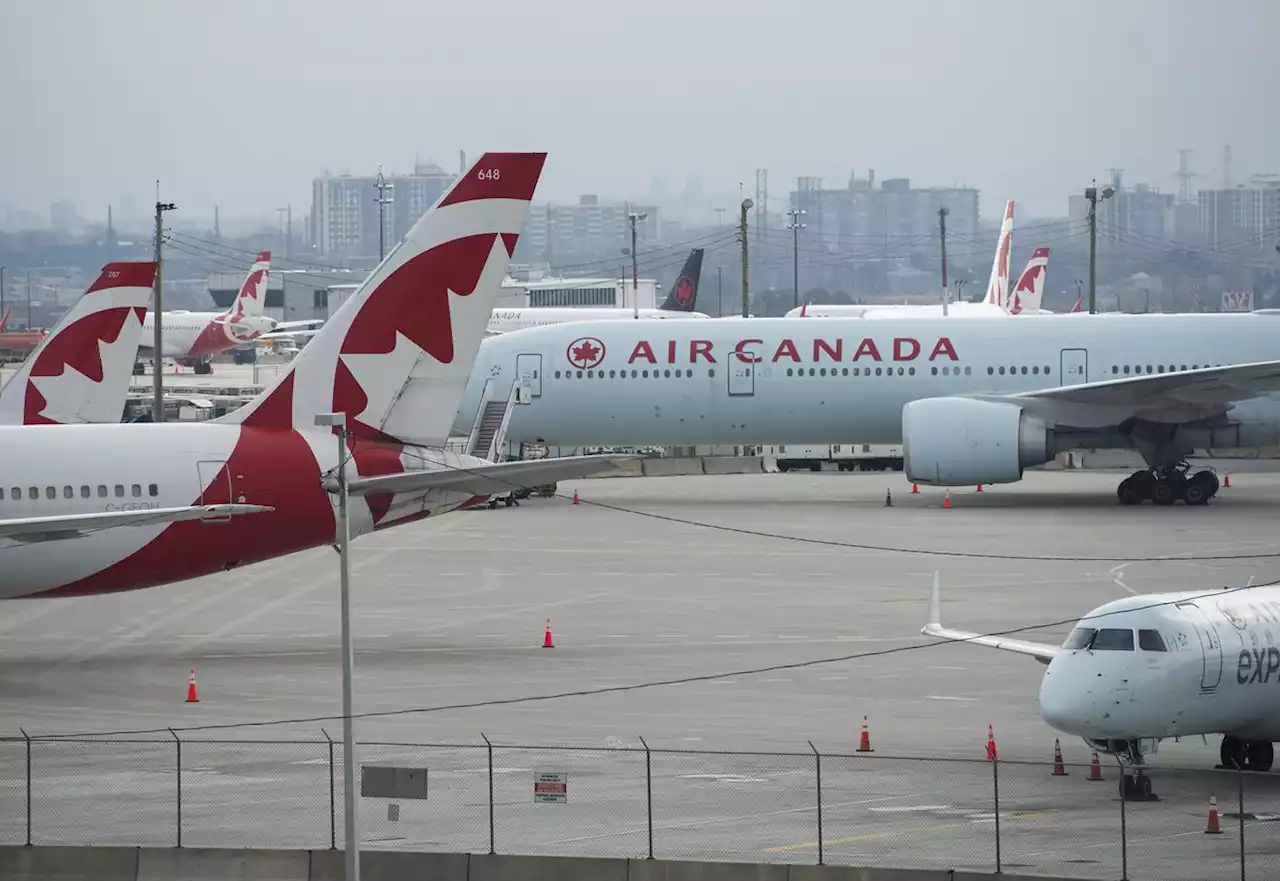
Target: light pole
<point>795,226</point>
<point>632,217</point>
<point>351,836</point>
<point>1091,193</point>
<point>742,237</point>
<point>382,200</point>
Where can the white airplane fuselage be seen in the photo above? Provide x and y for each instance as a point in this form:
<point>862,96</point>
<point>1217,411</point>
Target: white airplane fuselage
<point>81,469</point>
<point>801,380</point>
<point>201,334</point>
<point>1217,670</point>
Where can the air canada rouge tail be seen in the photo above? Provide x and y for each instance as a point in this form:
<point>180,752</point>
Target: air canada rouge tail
<point>684,292</point>
<point>80,372</point>
<point>396,356</point>
<point>1028,293</point>
<point>998,282</point>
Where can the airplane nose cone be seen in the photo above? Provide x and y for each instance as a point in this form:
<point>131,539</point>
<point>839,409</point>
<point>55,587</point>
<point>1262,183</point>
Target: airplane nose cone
<point>1063,704</point>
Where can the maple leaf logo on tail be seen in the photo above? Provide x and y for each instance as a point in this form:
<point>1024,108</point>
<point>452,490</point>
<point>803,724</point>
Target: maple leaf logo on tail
<point>1029,291</point>
<point>80,371</point>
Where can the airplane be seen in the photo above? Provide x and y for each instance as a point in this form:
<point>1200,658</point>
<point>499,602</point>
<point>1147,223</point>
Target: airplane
<point>1141,669</point>
<point>679,304</point>
<point>256,484</point>
<point>969,402</point>
<point>1028,293</point>
<point>194,337</point>
<point>996,303</point>
<point>80,371</point>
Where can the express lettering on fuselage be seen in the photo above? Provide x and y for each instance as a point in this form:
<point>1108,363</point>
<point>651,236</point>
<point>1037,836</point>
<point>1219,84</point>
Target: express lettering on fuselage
<point>1257,665</point>
<point>751,351</point>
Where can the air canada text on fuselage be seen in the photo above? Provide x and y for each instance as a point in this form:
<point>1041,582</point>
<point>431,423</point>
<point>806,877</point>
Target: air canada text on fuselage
<point>818,350</point>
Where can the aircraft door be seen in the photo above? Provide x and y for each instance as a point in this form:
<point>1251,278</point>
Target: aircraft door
<point>215,486</point>
<point>529,374</point>
<point>1075,367</point>
<point>742,378</point>
<point>1210,646</point>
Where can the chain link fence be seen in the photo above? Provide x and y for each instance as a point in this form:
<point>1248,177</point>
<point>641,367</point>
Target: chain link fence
<point>630,801</point>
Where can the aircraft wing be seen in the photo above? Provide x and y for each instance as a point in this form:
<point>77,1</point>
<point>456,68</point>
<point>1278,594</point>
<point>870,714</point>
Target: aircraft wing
<point>289,334</point>
<point>29,529</point>
<point>1176,397</point>
<point>488,479</point>
<point>1042,652</point>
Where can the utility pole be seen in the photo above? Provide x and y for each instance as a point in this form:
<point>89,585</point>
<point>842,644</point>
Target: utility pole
<point>632,217</point>
<point>720,284</point>
<point>795,226</point>
<point>942,231</point>
<point>382,200</point>
<point>157,295</point>
<point>1091,193</point>
<point>28,299</point>
<point>742,237</point>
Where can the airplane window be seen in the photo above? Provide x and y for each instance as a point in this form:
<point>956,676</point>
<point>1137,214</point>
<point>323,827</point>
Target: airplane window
<point>102,491</point>
<point>1046,370</point>
<point>119,491</point>
<point>933,370</point>
<point>579,374</point>
<point>711,371</point>
<point>644,374</point>
<point>1024,371</point>
<point>557,374</point>
<point>1079,638</point>
<point>51,492</point>
<point>1036,370</point>
<point>968,371</point>
<point>1150,641</point>
<point>902,371</point>
<point>1,492</point>
<point>990,371</point>
<point>633,374</point>
<point>946,371</point>
<point>911,370</point>
<point>877,371</point>
<point>600,375</point>
<point>84,492</point>
<point>591,374</point>
<point>137,491</point>
<point>16,493</point>
<point>857,371</point>
<point>1126,370</point>
<point>68,492</point>
<point>844,371</point>
<point>822,372</point>
<point>1002,371</point>
<point>1114,369</point>
<point>789,371</point>
<point>611,374</point>
<point>666,374</point>
<point>1112,639</point>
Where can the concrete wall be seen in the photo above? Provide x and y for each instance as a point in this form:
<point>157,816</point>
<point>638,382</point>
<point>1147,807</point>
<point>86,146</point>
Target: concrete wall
<point>188,864</point>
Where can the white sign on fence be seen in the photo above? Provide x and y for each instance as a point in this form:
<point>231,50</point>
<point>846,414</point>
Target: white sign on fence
<point>1237,301</point>
<point>552,788</point>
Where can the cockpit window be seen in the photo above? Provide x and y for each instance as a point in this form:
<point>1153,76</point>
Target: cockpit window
<point>1079,638</point>
<point>1106,639</point>
<point>1150,641</point>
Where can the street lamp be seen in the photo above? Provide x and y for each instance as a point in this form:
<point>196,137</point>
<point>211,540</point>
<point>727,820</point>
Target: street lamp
<point>1092,194</point>
<point>351,836</point>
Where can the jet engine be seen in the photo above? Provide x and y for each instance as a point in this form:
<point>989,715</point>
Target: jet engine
<point>962,441</point>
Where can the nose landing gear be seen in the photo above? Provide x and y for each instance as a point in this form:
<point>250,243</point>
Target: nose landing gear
<point>1167,484</point>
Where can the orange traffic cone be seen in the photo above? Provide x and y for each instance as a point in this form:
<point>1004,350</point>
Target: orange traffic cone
<point>946,500</point>
<point>547,643</point>
<point>979,487</point>
<point>575,497</point>
<point>1059,769</point>
<point>864,740</point>
<point>192,698</point>
<point>1226,479</point>
<point>888,499</point>
<point>991,744</point>
<point>1213,827</point>
<point>915,489</point>
<point>1095,768</point>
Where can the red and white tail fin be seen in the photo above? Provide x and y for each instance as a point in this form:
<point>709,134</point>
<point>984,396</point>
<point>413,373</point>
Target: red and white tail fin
<point>397,355</point>
<point>1028,293</point>
<point>252,298</point>
<point>998,283</point>
<point>80,372</point>
<point>1079,302</point>
<point>4,321</point>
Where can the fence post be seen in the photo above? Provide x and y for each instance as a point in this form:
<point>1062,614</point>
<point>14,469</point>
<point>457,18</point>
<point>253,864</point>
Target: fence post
<point>817,760</point>
<point>492,848</point>
<point>1240,778</point>
<point>27,737</point>
<point>1124,827</point>
<point>177,741</point>
<point>648,789</point>
<point>995,782</point>
<point>333,802</point>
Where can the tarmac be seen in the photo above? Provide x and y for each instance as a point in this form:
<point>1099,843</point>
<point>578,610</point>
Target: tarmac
<point>647,580</point>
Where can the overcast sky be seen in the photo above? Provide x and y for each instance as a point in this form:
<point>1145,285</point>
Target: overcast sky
<point>242,102</point>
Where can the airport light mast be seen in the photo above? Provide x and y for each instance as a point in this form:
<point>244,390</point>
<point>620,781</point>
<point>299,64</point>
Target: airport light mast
<point>795,226</point>
<point>1092,194</point>
<point>382,200</point>
<point>742,237</point>
<point>942,232</point>
<point>632,217</point>
<point>157,294</point>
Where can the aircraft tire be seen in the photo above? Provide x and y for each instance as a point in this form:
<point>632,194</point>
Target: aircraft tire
<point>1231,754</point>
<point>1199,489</point>
<point>1258,755</point>
<point>1164,493</point>
<point>1130,492</point>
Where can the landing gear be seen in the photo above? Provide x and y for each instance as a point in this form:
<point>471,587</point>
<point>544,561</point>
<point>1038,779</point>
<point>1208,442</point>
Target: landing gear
<point>1137,787</point>
<point>1166,485</point>
<point>1250,755</point>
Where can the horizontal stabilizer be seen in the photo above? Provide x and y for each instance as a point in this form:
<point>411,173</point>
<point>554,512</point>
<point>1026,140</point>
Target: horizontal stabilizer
<point>486,479</point>
<point>1042,652</point>
<point>29,529</point>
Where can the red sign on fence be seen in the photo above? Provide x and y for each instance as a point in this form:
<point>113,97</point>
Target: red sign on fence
<point>551,787</point>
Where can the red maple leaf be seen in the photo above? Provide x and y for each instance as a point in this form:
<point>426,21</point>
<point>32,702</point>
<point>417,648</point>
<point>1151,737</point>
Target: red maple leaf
<point>585,353</point>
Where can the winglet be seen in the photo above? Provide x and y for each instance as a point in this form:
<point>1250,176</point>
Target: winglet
<point>935,604</point>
